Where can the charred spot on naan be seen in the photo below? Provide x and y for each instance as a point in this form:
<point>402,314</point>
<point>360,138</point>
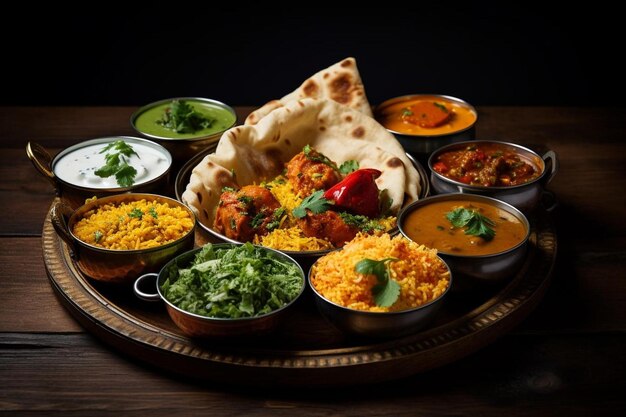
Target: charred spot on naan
<point>341,88</point>
<point>395,163</point>
<point>359,132</point>
<point>310,88</point>
<point>347,62</point>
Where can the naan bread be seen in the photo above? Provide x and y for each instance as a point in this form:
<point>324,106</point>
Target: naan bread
<point>340,82</point>
<point>250,154</point>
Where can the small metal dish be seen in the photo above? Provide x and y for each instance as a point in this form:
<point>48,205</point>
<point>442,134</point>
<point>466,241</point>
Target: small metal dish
<point>75,195</point>
<point>184,148</point>
<point>378,324</point>
<point>422,145</point>
<point>524,197</point>
<point>117,266</point>
<point>195,325</point>
<point>479,268</point>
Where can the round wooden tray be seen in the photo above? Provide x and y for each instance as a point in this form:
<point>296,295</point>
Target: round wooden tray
<point>306,350</point>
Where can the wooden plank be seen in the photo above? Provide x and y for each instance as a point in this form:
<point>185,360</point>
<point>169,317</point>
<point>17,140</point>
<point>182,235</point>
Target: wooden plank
<point>27,302</point>
<point>516,376</point>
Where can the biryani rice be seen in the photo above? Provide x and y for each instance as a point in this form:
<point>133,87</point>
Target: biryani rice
<point>422,275</point>
<point>133,225</point>
<point>289,235</point>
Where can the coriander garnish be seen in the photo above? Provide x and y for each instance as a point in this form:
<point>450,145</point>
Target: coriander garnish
<point>116,158</point>
<point>182,117</point>
<point>315,202</point>
<point>136,213</point>
<point>387,291</point>
<point>476,224</point>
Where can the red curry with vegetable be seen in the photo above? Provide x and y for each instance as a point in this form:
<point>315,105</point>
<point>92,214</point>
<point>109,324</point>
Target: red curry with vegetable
<point>489,165</point>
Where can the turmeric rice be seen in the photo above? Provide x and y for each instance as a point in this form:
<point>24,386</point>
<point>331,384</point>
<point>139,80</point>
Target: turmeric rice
<point>289,235</point>
<point>421,274</point>
<point>134,225</point>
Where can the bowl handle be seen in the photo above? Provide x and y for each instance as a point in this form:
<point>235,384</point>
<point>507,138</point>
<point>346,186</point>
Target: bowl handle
<point>42,161</point>
<point>59,213</point>
<point>554,165</point>
<point>142,294</point>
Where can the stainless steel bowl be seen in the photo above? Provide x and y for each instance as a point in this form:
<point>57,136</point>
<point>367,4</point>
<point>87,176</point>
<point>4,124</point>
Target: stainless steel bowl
<point>195,325</point>
<point>478,268</point>
<point>75,195</point>
<point>184,148</point>
<point>421,146</point>
<point>208,234</point>
<point>524,197</point>
<point>117,266</point>
<point>378,324</point>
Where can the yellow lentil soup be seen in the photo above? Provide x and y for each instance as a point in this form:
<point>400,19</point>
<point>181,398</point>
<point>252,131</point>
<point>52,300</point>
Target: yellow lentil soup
<point>420,273</point>
<point>133,225</point>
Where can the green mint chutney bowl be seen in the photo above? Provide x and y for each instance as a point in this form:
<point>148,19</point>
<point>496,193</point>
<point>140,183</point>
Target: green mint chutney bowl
<point>185,126</point>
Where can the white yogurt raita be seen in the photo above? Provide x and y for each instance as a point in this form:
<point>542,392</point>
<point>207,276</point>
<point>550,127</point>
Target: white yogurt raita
<point>78,167</point>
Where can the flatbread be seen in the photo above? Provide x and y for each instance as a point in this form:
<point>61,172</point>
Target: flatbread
<point>340,82</point>
<point>249,154</point>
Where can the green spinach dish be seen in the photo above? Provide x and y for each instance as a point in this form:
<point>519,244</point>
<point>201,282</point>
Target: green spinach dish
<point>234,282</point>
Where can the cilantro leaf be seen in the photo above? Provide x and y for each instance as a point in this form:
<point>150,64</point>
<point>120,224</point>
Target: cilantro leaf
<point>361,222</point>
<point>476,224</point>
<point>116,159</point>
<point>387,291</point>
<point>97,235</point>
<point>153,212</point>
<point>136,213</point>
<point>182,117</point>
<point>349,166</point>
<point>313,155</point>
<point>315,202</point>
<point>276,218</point>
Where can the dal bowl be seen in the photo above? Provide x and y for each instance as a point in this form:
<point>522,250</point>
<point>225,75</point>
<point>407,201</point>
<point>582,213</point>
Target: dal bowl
<point>194,324</point>
<point>471,257</point>
<point>124,265</point>
<point>347,298</point>
<point>525,195</point>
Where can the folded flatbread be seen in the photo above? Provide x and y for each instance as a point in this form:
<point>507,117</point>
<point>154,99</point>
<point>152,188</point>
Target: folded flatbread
<point>249,154</point>
<point>340,82</point>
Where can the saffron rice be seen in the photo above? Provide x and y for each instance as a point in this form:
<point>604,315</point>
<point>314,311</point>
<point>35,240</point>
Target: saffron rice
<point>422,275</point>
<point>134,225</point>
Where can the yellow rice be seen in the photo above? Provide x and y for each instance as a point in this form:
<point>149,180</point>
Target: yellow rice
<point>422,275</point>
<point>289,236</point>
<point>134,225</point>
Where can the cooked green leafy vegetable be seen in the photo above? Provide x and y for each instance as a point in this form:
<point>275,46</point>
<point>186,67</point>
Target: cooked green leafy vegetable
<point>116,163</point>
<point>476,224</point>
<point>181,117</point>
<point>245,281</point>
<point>315,202</point>
<point>387,291</point>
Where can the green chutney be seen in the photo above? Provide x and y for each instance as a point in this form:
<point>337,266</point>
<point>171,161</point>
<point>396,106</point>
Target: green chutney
<point>146,121</point>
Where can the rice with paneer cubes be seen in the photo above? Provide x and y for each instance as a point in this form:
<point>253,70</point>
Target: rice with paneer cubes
<point>422,276</point>
<point>133,225</point>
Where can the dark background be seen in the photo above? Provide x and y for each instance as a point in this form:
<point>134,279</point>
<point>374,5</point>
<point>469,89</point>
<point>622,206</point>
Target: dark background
<point>487,55</point>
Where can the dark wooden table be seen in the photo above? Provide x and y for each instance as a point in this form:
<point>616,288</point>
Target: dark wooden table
<point>566,358</point>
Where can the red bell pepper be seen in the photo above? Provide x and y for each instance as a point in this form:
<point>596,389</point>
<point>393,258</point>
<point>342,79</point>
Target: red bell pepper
<point>357,193</point>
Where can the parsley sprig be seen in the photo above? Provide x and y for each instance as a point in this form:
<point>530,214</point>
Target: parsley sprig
<point>117,156</point>
<point>476,224</point>
<point>387,291</point>
<point>315,202</point>
<point>181,117</point>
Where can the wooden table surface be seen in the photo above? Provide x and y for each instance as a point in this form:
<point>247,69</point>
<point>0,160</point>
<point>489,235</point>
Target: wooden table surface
<point>566,358</point>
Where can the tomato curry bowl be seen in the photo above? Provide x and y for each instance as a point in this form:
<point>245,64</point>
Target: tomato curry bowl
<point>502,170</point>
<point>423,123</point>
